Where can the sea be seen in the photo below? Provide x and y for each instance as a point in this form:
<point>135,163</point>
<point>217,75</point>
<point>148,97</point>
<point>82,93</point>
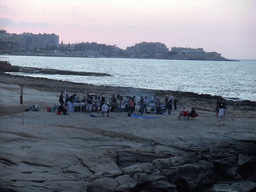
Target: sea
<point>233,80</point>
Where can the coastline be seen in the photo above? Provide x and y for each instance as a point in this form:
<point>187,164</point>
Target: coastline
<point>54,55</point>
<point>56,85</point>
<point>77,152</point>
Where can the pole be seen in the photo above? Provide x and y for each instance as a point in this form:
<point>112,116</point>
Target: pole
<point>21,102</point>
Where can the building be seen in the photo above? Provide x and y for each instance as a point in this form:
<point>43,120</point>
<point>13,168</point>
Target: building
<point>41,41</point>
<point>194,54</point>
<point>146,49</point>
<point>9,42</point>
<point>94,49</point>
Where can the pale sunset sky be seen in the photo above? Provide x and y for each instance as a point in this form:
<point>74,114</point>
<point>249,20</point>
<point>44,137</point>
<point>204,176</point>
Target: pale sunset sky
<point>225,26</point>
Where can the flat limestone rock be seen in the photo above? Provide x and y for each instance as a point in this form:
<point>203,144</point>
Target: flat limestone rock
<point>102,185</point>
<point>100,165</point>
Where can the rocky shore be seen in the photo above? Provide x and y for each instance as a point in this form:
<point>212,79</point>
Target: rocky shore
<point>34,70</point>
<point>78,152</point>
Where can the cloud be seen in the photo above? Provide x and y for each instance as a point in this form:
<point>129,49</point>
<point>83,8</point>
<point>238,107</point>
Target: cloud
<point>24,24</point>
<point>4,22</point>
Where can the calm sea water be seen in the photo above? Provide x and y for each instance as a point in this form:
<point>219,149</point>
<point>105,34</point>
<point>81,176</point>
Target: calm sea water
<point>231,80</point>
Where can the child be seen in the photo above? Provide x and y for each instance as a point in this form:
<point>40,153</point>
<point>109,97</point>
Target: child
<point>105,109</point>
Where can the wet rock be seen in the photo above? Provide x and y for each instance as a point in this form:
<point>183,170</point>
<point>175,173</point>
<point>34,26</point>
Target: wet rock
<point>175,161</point>
<point>243,186</point>
<point>162,163</point>
<point>124,179</point>
<point>226,166</point>
<point>162,184</point>
<point>155,177</point>
<point>102,185</point>
<point>100,166</point>
<point>193,176</point>
<point>126,183</point>
<point>138,168</point>
<point>245,159</point>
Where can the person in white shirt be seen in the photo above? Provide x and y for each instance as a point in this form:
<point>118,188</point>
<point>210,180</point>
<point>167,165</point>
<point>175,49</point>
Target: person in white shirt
<point>145,104</point>
<point>105,109</point>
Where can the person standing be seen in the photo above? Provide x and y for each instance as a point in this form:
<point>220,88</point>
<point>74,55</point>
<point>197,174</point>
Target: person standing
<point>89,103</point>
<point>67,99</point>
<point>98,104</point>
<point>169,107</point>
<point>141,105</point>
<point>145,104</point>
<point>102,100</point>
<point>131,105</point>
<point>105,109</point>
<point>61,98</point>
<point>126,103</point>
<point>171,98</point>
<point>166,101</point>
<point>158,106</point>
<point>175,103</point>
<point>217,107</point>
<point>221,110</point>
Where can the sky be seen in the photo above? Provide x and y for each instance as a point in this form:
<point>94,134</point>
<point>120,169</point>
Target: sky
<point>224,26</point>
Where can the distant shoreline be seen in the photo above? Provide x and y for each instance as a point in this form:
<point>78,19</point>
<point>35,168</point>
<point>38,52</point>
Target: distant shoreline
<point>54,55</point>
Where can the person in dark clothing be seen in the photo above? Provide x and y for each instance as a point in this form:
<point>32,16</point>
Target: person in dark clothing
<point>193,113</point>
<point>113,103</point>
<point>166,102</point>
<point>62,108</point>
<point>169,107</point>
<point>102,100</point>
<point>67,99</point>
<point>72,99</point>
<point>175,103</point>
<point>141,105</point>
<point>61,98</point>
<point>158,106</point>
<point>217,107</point>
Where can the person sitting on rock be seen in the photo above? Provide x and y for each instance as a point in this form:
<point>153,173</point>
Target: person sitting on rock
<point>193,113</point>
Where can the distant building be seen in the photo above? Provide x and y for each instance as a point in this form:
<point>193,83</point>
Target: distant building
<point>95,50</point>
<point>146,49</point>
<point>41,41</point>
<point>48,44</point>
<point>9,42</point>
<point>194,54</point>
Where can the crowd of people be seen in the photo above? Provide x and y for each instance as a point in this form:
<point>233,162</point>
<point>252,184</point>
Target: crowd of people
<point>117,103</point>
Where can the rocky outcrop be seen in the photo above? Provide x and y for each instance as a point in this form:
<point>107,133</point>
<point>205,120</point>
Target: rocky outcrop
<point>204,171</point>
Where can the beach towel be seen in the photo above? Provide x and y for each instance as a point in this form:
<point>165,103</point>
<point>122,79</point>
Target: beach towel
<point>143,117</point>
